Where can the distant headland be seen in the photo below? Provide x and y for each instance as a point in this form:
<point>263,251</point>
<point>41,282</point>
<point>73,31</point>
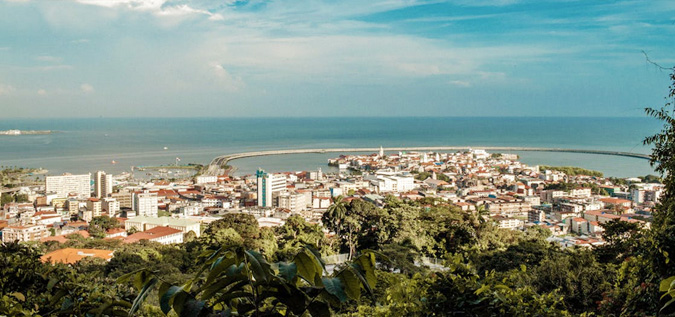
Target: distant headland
<point>25,132</point>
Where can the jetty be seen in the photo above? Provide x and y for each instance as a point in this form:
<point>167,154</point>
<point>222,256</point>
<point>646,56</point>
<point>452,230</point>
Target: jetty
<point>215,165</point>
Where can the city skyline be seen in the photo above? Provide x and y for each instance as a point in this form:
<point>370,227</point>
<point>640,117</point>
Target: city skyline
<point>156,58</point>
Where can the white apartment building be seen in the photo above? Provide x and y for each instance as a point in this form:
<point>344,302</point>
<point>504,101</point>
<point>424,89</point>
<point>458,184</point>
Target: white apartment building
<point>387,181</point>
<point>145,204</point>
<point>268,185</point>
<point>111,206</point>
<point>102,184</point>
<point>24,233</point>
<point>508,223</point>
<point>66,184</point>
<point>206,179</point>
<point>295,202</point>
<point>580,192</point>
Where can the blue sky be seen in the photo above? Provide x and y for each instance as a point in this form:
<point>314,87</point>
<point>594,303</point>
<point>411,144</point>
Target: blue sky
<point>224,58</point>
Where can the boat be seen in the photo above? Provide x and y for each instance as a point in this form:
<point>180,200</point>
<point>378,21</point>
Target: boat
<point>113,162</point>
<point>166,148</point>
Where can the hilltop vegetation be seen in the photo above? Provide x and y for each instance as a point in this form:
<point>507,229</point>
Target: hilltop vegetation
<point>571,171</point>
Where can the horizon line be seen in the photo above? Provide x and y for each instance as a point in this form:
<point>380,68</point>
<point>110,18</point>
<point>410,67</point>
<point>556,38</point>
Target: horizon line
<point>325,117</point>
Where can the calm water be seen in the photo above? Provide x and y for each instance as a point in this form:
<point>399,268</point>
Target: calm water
<point>87,145</point>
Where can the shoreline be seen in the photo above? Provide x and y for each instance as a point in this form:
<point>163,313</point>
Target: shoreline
<point>216,163</point>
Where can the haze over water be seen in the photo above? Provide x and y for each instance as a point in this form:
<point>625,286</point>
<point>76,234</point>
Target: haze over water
<point>87,145</point>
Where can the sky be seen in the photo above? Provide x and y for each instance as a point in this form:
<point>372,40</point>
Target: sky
<point>314,58</point>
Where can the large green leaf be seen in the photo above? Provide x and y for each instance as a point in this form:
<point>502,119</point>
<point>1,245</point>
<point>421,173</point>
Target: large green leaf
<point>192,308</point>
<point>259,267</point>
<point>319,309</point>
<point>165,297</point>
<point>352,284</point>
<point>313,251</point>
<point>366,262</point>
<point>334,287</point>
<point>306,267</point>
<point>666,284</point>
<point>149,284</point>
<point>230,283</point>
<point>219,266</point>
<point>287,271</point>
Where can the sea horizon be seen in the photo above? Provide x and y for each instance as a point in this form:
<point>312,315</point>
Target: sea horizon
<point>90,144</point>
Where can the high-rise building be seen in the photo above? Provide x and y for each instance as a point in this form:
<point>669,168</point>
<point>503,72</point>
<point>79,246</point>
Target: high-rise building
<point>66,184</point>
<point>102,184</point>
<point>268,184</point>
<point>145,204</point>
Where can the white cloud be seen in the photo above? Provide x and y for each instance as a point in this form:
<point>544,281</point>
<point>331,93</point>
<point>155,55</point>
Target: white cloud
<point>87,88</point>
<point>41,92</point>
<point>460,83</point>
<point>80,41</point>
<point>6,89</point>
<point>53,68</point>
<point>47,58</point>
<point>225,80</point>
<point>157,7</point>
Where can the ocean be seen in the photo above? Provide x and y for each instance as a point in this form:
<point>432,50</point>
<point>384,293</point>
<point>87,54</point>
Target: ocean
<point>88,145</point>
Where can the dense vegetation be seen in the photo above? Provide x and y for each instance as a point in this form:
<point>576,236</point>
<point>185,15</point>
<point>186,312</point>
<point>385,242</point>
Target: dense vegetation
<point>571,171</point>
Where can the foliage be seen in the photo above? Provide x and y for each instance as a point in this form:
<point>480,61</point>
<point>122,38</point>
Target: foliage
<point>242,282</point>
<point>571,170</point>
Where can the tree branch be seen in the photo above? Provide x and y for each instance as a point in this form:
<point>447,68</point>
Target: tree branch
<point>657,65</point>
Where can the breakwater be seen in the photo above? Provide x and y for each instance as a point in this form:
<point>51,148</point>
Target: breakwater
<point>216,163</point>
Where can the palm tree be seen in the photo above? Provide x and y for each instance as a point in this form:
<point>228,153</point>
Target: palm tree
<point>335,214</point>
<point>482,213</point>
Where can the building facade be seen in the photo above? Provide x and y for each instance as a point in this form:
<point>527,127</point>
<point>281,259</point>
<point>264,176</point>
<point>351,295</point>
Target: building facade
<point>102,184</point>
<point>24,233</point>
<point>64,185</point>
<point>145,204</point>
<point>268,185</point>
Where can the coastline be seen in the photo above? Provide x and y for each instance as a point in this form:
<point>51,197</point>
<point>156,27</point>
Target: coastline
<point>214,166</point>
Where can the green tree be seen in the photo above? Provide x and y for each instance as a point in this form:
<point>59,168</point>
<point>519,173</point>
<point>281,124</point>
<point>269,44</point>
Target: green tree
<point>661,237</point>
<point>242,282</point>
<point>334,216</point>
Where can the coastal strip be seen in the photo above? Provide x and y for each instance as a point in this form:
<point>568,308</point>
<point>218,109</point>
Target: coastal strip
<point>216,163</point>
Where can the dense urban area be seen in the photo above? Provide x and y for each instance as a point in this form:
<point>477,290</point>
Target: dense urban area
<point>424,212</point>
<point>410,234</point>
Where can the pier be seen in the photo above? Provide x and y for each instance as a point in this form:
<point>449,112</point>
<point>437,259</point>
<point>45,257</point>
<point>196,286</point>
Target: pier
<point>219,161</point>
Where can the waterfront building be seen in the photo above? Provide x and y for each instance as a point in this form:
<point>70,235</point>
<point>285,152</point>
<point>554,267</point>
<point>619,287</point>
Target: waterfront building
<point>145,204</point>
<point>102,184</point>
<point>268,186</point>
<point>67,184</point>
<point>206,179</point>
